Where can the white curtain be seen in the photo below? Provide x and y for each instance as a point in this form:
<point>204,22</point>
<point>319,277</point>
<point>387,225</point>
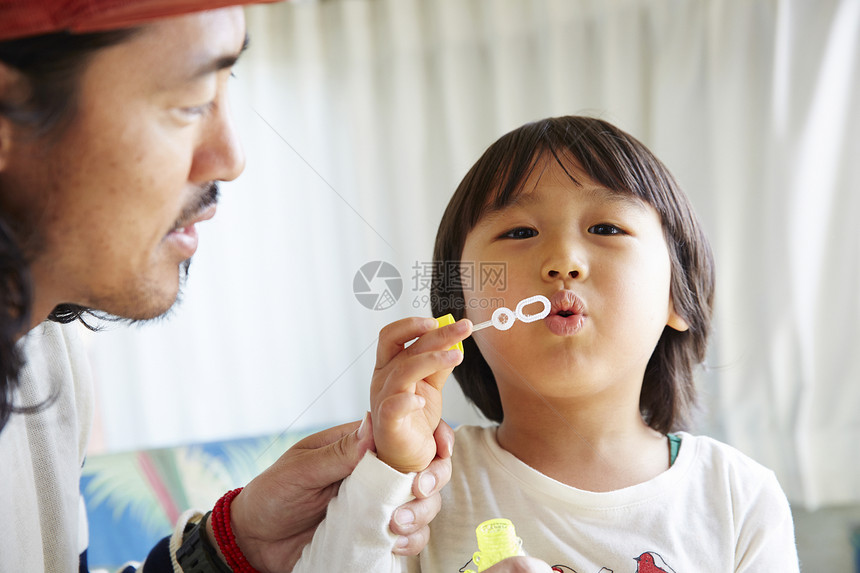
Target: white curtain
<point>361,116</point>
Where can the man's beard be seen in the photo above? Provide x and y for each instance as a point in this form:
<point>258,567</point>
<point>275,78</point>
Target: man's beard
<point>209,196</point>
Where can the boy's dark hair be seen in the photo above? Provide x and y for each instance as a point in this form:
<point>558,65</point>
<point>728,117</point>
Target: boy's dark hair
<point>618,161</point>
<point>51,66</point>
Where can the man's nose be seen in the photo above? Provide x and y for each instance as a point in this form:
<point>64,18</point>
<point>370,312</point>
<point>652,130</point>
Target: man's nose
<point>219,156</point>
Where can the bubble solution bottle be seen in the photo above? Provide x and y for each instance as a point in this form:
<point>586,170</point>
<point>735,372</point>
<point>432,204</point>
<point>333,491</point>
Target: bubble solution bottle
<point>497,540</point>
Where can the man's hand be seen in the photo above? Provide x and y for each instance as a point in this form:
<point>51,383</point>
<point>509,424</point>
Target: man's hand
<point>406,391</point>
<point>411,521</point>
<point>276,515</point>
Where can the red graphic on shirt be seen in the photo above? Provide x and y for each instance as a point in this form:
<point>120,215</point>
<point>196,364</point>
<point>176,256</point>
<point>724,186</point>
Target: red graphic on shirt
<point>651,562</point>
<point>648,562</point>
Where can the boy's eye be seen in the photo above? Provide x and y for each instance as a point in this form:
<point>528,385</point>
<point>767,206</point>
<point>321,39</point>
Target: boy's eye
<point>520,233</point>
<point>605,229</point>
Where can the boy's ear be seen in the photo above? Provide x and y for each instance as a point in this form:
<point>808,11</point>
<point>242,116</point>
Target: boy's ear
<point>675,320</point>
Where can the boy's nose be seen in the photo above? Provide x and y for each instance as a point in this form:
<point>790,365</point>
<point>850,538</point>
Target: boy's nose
<point>564,266</point>
<point>554,274</point>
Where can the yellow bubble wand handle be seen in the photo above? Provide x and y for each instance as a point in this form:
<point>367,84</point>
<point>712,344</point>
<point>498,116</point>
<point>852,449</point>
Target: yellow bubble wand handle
<point>497,540</point>
<point>445,321</point>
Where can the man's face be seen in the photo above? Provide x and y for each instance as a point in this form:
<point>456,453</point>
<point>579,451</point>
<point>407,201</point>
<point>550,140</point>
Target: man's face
<point>113,198</point>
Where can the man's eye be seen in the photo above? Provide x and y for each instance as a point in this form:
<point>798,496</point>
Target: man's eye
<point>199,110</point>
<point>605,229</point>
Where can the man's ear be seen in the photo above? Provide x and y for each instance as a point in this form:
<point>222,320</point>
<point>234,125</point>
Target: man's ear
<point>675,320</point>
<point>12,92</point>
<point>8,80</point>
<point>5,140</point>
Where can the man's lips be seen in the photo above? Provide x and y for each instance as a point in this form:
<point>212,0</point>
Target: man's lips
<point>183,237</point>
<point>201,208</point>
<point>203,215</point>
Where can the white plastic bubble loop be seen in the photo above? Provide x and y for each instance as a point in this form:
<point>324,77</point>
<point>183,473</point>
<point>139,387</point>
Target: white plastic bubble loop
<point>531,300</point>
<point>504,318</point>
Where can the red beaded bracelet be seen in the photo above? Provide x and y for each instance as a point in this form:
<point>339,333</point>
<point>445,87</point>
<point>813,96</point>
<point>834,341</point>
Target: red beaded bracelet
<point>224,534</point>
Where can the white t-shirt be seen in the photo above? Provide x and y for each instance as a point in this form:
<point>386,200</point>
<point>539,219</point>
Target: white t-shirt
<point>714,510</point>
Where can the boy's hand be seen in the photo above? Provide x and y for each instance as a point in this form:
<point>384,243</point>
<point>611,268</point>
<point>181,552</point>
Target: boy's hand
<point>406,391</point>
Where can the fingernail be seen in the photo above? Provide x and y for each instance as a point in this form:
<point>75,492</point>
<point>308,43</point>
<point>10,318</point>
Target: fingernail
<point>401,542</point>
<point>362,429</point>
<point>404,517</point>
<point>431,323</point>
<point>426,483</point>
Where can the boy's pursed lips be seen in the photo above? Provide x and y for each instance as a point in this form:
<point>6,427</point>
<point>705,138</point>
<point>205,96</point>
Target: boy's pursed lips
<point>566,303</point>
<point>567,314</point>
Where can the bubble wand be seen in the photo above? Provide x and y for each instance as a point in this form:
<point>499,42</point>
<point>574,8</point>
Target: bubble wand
<point>504,318</point>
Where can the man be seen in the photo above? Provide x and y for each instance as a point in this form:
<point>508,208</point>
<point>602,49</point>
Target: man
<point>102,206</point>
<point>114,131</point>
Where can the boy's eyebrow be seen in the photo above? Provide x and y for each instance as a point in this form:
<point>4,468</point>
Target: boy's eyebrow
<point>219,63</point>
<point>625,198</point>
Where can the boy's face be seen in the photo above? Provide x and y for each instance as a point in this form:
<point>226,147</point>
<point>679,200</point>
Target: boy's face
<point>601,258</point>
<point>110,202</point>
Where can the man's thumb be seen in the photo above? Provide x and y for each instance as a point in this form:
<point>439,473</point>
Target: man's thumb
<point>362,438</point>
<point>346,452</point>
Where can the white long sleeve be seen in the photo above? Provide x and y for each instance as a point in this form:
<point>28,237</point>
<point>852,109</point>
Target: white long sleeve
<point>354,536</point>
<point>43,525</point>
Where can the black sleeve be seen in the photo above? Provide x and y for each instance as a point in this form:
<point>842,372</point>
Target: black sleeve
<point>158,560</point>
<point>158,555</point>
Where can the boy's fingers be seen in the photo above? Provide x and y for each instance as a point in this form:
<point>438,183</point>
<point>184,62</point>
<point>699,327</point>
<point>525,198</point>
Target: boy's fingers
<point>441,338</point>
<point>405,373</point>
<point>398,406</point>
<point>395,335</point>
<point>438,378</point>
